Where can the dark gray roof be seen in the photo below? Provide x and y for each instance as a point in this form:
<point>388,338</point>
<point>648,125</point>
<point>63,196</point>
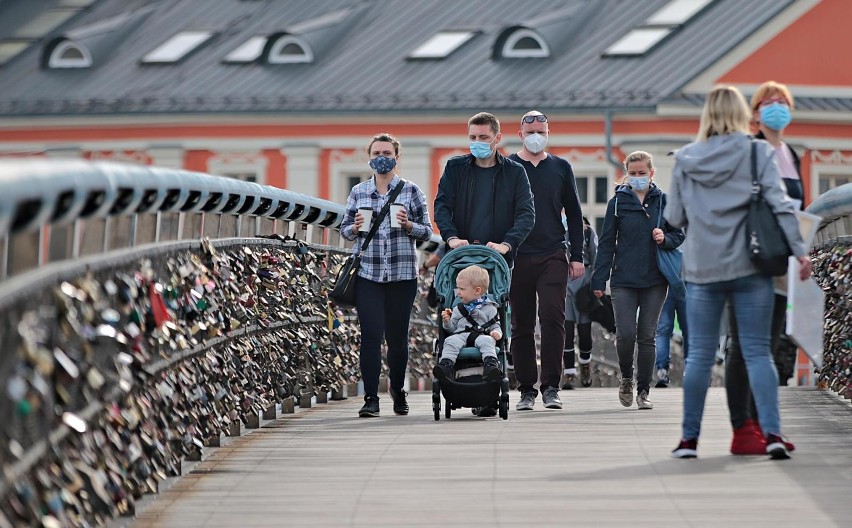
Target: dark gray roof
<point>366,68</point>
<point>817,104</point>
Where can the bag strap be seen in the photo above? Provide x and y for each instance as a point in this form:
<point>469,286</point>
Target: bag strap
<point>755,183</point>
<point>382,214</point>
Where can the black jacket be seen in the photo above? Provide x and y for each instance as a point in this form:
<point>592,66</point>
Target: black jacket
<point>514,212</point>
<point>626,249</point>
<point>794,188</point>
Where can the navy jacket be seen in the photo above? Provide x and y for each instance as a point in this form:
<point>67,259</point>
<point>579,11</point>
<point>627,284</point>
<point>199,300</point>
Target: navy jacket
<point>514,212</point>
<point>626,249</point>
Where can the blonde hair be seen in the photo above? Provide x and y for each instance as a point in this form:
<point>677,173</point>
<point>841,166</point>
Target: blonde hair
<point>768,89</point>
<point>639,155</point>
<point>725,112</point>
<point>476,276</point>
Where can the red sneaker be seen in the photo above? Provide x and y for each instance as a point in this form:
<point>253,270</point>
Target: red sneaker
<point>748,440</point>
<point>789,445</point>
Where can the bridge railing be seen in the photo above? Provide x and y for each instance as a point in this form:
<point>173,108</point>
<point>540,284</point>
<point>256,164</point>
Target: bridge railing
<point>144,314</point>
<point>832,258</point>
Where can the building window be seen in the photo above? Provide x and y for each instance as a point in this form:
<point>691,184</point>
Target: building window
<point>247,52</point>
<point>441,45</point>
<point>350,180</point>
<point>523,44</point>
<point>656,28</point>
<point>244,176</point>
<point>69,54</point>
<point>582,188</point>
<point>289,50</point>
<point>601,189</point>
<point>832,181</point>
<point>177,47</point>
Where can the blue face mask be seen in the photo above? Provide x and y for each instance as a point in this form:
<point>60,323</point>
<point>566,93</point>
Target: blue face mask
<point>382,164</point>
<point>775,116</point>
<point>640,183</point>
<point>480,149</point>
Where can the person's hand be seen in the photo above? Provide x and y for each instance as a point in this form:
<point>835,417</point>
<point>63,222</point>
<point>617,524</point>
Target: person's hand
<point>359,221</point>
<point>496,335</point>
<point>402,218</point>
<point>805,267</point>
<point>457,242</point>
<point>445,315</point>
<point>598,293</point>
<point>659,236</point>
<point>498,247</point>
<point>576,270</point>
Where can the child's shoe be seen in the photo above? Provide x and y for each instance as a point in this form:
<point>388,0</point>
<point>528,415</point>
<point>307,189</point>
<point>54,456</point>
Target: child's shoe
<point>443,370</point>
<point>491,369</point>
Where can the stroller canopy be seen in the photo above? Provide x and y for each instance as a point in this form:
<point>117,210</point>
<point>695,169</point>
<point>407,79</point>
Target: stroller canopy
<point>457,259</point>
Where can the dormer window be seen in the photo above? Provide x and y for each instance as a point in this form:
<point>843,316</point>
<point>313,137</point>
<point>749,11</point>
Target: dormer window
<point>177,48</point>
<point>656,28</point>
<point>523,44</point>
<point>289,49</point>
<point>68,54</point>
<point>248,52</point>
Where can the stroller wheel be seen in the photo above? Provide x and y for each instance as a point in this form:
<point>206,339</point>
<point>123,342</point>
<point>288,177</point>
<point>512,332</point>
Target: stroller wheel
<point>504,406</point>
<point>436,405</point>
<point>448,411</point>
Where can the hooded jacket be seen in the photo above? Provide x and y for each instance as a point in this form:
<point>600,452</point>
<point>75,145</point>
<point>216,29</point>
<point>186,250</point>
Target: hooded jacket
<point>512,202</point>
<point>711,189</point>
<point>626,248</point>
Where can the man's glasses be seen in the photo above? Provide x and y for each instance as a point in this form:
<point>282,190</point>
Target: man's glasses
<point>541,118</point>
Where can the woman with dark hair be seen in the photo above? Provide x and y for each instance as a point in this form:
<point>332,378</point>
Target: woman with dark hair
<point>387,280</point>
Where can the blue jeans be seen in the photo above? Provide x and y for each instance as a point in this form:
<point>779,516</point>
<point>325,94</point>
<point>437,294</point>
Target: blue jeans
<point>665,329</point>
<point>752,298</point>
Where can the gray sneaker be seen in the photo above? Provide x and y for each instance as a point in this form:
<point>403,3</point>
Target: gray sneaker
<point>643,402</point>
<point>625,392</point>
<point>527,402</point>
<point>550,398</point>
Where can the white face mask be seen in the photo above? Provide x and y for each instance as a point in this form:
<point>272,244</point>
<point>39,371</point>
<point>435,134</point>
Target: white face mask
<point>535,143</point>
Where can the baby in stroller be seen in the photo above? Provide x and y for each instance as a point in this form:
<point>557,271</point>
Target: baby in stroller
<point>470,351</point>
<point>473,322</point>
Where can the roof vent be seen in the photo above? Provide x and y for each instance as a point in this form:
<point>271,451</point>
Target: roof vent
<point>69,54</point>
<point>523,43</point>
<point>288,49</point>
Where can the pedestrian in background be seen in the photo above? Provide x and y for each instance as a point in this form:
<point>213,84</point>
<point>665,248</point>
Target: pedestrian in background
<point>578,316</point>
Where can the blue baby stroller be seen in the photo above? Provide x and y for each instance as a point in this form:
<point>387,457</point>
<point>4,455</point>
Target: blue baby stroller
<point>468,389</point>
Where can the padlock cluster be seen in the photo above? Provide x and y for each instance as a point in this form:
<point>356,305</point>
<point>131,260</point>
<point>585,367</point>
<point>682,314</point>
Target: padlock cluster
<point>115,378</point>
<point>833,272</point>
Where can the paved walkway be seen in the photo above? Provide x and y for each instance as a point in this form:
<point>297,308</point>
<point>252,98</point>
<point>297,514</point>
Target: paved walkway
<point>594,463</point>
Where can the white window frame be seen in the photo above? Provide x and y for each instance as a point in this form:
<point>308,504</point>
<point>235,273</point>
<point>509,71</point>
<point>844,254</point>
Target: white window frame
<point>442,44</point>
<point>177,47</point>
<point>637,42</point>
<point>825,171</point>
<point>247,52</point>
<point>57,61</point>
<point>229,163</point>
<point>510,52</point>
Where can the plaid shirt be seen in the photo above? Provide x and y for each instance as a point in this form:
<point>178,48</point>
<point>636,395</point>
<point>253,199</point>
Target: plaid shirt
<point>391,255</point>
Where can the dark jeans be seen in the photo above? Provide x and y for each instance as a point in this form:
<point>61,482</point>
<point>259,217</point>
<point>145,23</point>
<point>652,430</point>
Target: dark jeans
<point>631,330</point>
<point>740,401</point>
<point>384,310</point>
<point>545,276</point>
<point>584,338</point>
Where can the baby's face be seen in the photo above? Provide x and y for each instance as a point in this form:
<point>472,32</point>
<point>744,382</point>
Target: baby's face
<point>466,292</point>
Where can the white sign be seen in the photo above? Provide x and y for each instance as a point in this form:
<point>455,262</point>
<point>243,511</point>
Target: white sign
<point>805,312</point>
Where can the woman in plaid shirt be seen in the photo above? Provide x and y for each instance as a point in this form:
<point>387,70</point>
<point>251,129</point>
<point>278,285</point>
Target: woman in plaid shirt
<point>387,280</point>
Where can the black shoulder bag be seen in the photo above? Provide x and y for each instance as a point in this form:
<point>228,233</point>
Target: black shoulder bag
<point>343,293</point>
<point>766,242</point>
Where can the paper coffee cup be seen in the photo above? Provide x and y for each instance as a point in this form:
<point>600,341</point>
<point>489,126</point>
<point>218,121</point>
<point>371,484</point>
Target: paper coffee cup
<point>367,213</point>
<point>394,209</point>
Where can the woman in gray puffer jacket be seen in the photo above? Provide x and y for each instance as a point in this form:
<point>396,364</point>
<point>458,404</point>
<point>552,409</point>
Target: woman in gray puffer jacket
<point>709,196</point>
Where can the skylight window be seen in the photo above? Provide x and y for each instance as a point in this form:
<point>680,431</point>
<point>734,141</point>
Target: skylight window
<point>44,23</point>
<point>677,12</point>
<point>524,43</point>
<point>248,51</point>
<point>177,47</point>
<point>441,45</point>
<point>638,41</point>
<point>289,50</point>
<point>11,49</point>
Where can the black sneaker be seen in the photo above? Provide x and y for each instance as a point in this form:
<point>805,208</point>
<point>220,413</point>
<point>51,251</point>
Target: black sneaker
<point>686,449</point>
<point>491,369</point>
<point>484,412</point>
<point>777,447</point>
<point>400,405</point>
<point>370,408</point>
<point>443,370</point>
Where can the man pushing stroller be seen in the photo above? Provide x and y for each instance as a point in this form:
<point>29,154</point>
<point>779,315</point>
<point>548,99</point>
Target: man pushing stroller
<point>473,322</point>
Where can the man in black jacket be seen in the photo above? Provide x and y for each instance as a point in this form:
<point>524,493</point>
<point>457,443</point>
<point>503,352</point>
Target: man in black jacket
<point>483,197</point>
<point>542,266</point>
